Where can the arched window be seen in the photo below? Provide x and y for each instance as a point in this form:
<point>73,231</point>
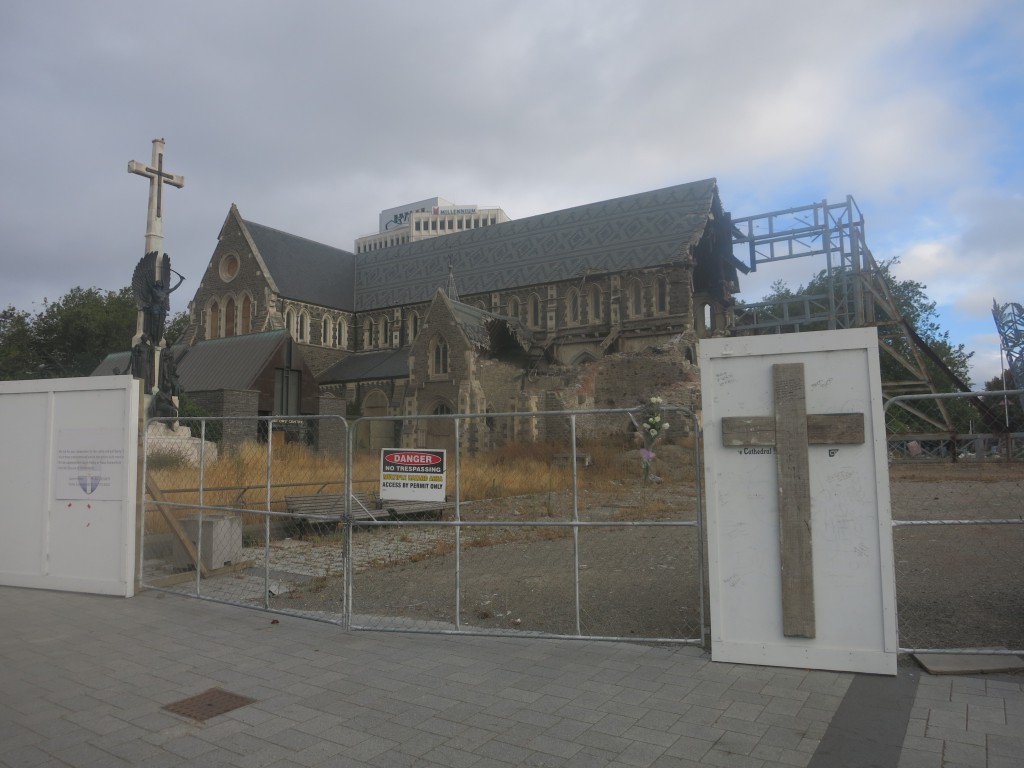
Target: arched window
<point>535,312</point>
<point>246,314</point>
<point>341,334</point>
<point>303,334</point>
<point>385,332</point>
<point>289,322</point>
<point>213,321</point>
<point>636,299</point>
<point>572,308</point>
<point>439,357</point>
<point>368,330</point>
<point>661,295</point>
<point>595,304</point>
<point>442,409</point>
<point>513,308</point>
<point>325,332</point>
<point>229,317</point>
<point>412,327</point>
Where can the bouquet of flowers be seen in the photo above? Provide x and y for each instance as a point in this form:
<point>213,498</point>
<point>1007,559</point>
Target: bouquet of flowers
<point>651,427</point>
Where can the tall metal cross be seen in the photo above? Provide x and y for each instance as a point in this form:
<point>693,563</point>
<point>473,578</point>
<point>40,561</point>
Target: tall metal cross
<point>790,431</point>
<point>157,178</point>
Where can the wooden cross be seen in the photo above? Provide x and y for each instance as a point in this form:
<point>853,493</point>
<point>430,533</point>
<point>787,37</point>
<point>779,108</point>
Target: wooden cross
<point>157,178</point>
<point>790,431</point>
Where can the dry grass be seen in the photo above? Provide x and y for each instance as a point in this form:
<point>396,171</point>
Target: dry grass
<point>539,470</point>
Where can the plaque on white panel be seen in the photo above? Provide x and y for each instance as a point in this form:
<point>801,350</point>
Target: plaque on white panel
<point>90,464</point>
<point>800,553</point>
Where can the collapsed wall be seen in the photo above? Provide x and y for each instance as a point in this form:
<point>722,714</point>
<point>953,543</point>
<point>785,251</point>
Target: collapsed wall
<point>623,380</point>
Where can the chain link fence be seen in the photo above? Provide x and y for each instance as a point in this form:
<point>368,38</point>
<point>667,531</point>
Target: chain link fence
<point>555,523</point>
<point>958,526</point>
<point>216,522</point>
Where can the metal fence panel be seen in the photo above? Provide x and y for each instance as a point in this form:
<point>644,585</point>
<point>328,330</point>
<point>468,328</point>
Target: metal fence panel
<point>556,523</point>
<point>958,534</point>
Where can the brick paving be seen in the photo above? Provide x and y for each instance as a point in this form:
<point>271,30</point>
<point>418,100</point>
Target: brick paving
<point>84,679</point>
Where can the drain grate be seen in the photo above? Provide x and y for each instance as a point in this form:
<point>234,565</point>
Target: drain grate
<point>207,704</point>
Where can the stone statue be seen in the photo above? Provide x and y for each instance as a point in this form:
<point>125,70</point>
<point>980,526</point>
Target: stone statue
<point>140,365</point>
<point>169,381</point>
<point>152,293</point>
<point>161,406</point>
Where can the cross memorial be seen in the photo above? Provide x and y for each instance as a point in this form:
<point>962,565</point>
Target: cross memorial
<point>151,289</point>
<point>157,178</point>
<point>790,431</point>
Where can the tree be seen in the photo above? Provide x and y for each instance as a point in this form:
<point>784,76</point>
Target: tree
<point>68,337</point>
<point>176,327</point>
<point>17,353</point>
<point>784,307</point>
<point>913,304</point>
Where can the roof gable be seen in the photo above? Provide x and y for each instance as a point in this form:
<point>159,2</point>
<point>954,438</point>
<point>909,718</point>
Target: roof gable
<point>305,270</point>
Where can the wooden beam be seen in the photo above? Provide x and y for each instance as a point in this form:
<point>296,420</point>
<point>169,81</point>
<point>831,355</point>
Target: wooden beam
<point>794,500</point>
<point>154,491</point>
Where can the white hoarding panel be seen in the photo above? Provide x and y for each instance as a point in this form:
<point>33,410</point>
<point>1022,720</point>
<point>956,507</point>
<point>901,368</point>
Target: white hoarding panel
<point>812,591</point>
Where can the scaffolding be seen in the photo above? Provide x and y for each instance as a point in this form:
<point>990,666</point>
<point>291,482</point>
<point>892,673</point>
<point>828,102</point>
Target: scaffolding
<point>1010,324</point>
<point>854,294</point>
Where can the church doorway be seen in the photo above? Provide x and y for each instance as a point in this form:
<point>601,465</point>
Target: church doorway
<point>376,434</point>
<point>441,432</point>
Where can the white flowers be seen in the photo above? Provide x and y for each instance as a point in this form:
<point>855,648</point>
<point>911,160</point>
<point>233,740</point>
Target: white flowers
<point>653,423</point>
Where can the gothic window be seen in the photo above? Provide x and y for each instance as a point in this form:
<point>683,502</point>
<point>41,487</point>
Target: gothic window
<point>442,409</point>
<point>385,332</point>
<point>368,334</point>
<point>413,326</point>
<point>303,334</point>
<point>635,299</point>
<point>535,312</point>
<point>661,295</point>
<point>595,304</point>
<point>325,331</point>
<point>439,357</point>
<point>213,332</point>
<point>229,317</point>
<point>247,312</point>
<point>513,308</point>
<point>572,308</point>
<point>340,334</point>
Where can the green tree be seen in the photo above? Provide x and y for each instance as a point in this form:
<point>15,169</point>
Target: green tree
<point>69,336</point>
<point>74,333</point>
<point>940,356</point>
<point>18,358</point>
<point>176,327</point>
<point>912,301</point>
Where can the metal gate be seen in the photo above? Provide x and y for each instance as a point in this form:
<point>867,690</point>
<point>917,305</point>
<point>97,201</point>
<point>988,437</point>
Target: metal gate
<point>557,523</point>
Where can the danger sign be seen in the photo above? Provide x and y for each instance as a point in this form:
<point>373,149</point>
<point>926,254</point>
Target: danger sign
<point>412,475</point>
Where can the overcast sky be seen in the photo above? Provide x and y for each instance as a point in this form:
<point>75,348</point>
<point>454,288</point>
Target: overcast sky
<point>312,117</point>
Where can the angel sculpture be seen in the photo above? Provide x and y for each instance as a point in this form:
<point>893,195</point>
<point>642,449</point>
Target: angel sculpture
<point>152,293</point>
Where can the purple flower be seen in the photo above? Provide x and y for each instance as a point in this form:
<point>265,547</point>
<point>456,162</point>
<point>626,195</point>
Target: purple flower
<point>646,454</point>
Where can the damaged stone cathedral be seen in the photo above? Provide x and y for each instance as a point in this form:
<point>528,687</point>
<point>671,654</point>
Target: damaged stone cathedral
<point>597,306</point>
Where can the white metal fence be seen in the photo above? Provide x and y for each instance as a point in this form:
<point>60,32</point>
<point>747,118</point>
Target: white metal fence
<point>555,524</point>
<point>958,529</point>
<point>552,529</point>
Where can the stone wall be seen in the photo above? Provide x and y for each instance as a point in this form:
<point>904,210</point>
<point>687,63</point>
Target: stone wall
<point>231,402</point>
<point>331,433</point>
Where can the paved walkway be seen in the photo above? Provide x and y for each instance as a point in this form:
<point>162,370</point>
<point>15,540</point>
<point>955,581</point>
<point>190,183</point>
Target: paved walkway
<point>83,680</point>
